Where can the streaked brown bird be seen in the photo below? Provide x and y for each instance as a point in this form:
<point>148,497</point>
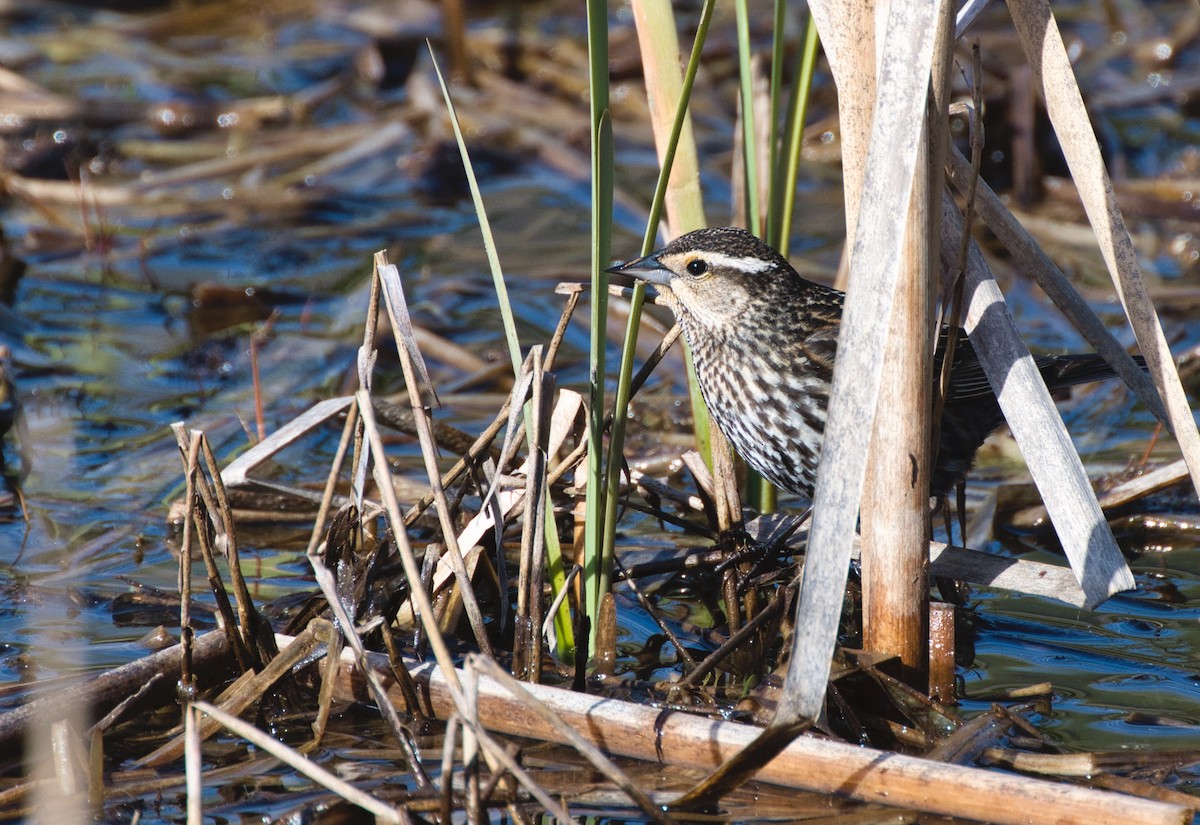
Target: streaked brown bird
<point>765,339</point>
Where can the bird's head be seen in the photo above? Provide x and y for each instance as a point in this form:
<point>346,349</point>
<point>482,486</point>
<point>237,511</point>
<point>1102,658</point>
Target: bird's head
<point>713,276</point>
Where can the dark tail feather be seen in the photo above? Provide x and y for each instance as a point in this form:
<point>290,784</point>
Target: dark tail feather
<point>1062,371</point>
<point>972,412</point>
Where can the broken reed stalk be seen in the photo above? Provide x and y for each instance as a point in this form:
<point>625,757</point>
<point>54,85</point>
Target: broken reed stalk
<point>104,691</point>
<point>878,232</point>
<point>247,690</point>
<point>1038,428</point>
<point>422,605</point>
<point>190,528</point>
<point>199,503</point>
<point>1029,257</point>
<point>412,366</point>
<point>368,449</point>
<point>218,718</point>
<point>678,738</point>
<point>895,508</point>
<point>254,630</point>
<point>394,296</point>
<point>1046,52</point>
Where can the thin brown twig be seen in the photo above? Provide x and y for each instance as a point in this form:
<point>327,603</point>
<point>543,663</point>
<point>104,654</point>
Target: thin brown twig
<point>335,469</point>
<point>560,331</point>
<point>248,618</point>
<point>186,678</point>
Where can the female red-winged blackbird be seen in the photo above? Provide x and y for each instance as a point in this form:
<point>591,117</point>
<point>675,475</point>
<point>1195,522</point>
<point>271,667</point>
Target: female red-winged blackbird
<point>764,341</point>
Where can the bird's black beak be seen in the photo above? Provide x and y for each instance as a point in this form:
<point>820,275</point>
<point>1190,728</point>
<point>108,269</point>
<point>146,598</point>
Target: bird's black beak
<point>648,269</point>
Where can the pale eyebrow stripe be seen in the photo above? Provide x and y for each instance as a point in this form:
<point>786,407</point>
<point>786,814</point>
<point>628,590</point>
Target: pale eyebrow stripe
<point>749,265</point>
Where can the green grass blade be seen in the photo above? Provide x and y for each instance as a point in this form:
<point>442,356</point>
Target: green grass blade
<point>557,576</point>
<point>489,242</point>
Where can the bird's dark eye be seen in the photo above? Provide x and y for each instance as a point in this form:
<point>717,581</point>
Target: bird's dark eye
<point>697,266</point>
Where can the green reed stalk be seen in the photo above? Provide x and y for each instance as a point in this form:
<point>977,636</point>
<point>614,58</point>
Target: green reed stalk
<point>701,423</point>
<point>759,492</point>
<point>778,50</point>
<point>602,198</point>
<point>783,190</point>
<point>685,96</point>
<point>749,134</point>
<point>629,345</point>
<point>784,169</point>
